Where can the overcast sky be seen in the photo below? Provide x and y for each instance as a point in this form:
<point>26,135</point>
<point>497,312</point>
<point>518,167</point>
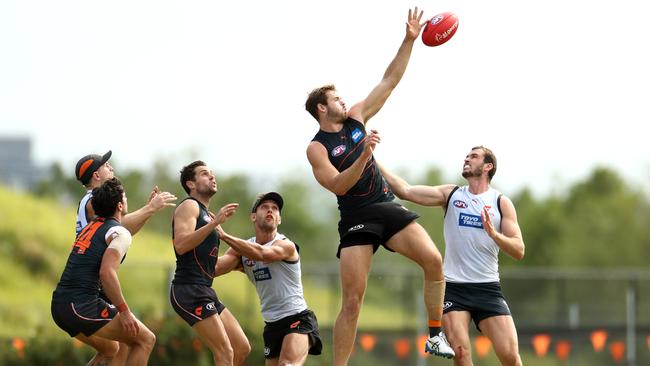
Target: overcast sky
<point>554,87</point>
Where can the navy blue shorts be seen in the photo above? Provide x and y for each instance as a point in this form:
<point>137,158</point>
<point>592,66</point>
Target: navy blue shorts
<point>87,317</point>
<point>481,300</point>
<point>195,302</point>
<point>374,224</point>
<point>304,323</point>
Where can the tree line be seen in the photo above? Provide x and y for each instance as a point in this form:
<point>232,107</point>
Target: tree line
<point>600,221</point>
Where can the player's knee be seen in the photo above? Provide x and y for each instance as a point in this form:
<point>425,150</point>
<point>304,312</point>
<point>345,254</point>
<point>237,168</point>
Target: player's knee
<point>352,304</point>
<point>242,350</point>
<point>463,355</point>
<point>109,350</point>
<point>511,358</point>
<point>431,263</point>
<point>435,259</point>
<point>147,339</point>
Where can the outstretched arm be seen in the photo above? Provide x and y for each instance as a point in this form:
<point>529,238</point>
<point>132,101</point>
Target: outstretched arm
<point>229,261</point>
<point>435,196</point>
<point>134,221</point>
<point>367,108</point>
<point>280,250</point>
<point>509,239</point>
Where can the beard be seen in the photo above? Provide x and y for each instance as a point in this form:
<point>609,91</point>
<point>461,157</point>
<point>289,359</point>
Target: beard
<point>206,191</point>
<point>339,116</point>
<point>473,173</point>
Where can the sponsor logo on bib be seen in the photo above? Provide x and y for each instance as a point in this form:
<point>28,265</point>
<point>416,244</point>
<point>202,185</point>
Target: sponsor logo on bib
<point>262,274</point>
<point>357,134</point>
<point>468,220</point>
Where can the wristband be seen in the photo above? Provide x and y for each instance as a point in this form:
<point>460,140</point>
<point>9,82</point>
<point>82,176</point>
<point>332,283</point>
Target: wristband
<point>122,307</point>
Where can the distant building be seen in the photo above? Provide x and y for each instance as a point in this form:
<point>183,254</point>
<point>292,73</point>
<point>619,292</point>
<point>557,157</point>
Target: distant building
<point>17,168</point>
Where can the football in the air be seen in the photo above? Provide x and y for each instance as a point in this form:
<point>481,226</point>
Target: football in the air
<point>440,29</point>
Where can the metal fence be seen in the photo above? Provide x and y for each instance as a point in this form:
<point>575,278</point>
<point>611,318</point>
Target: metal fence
<point>563,317</point>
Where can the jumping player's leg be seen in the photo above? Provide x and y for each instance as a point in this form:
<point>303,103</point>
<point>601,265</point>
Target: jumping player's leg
<point>238,341</point>
<point>457,331</point>
<point>140,345</point>
<point>414,243</point>
<point>502,333</point>
<point>213,334</point>
<point>354,265</point>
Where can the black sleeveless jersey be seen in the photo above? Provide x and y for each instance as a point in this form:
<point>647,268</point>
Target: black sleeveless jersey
<point>80,279</point>
<point>343,149</point>
<point>196,267</point>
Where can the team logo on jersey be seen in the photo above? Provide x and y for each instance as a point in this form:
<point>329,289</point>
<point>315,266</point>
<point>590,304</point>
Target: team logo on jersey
<point>207,218</point>
<point>470,221</point>
<point>214,252</point>
<point>357,134</point>
<point>210,306</point>
<point>262,274</point>
<point>460,204</point>
<point>338,150</point>
<point>249,262</point>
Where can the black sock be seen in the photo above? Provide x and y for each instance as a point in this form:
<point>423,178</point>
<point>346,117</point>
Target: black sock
<point>433,331</point>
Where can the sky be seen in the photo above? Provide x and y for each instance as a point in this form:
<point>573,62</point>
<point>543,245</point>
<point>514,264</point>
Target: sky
<point>554,87</point>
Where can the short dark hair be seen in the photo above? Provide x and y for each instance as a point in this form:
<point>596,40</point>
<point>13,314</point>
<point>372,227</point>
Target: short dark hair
<point>488,157</point>
<point>187,173</point>
<point>106,197</point>
<point>316,97</point>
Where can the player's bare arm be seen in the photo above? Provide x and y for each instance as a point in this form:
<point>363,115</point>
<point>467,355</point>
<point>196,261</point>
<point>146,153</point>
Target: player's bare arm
<point>185,237</point>
<point>435,196</point>
<point>367,108</point>
<point>280,250</point>
<point>510,239</point>
<point>111,285</point>
<point>134,221</point>
<point>327,175</point>
<point>228,262</point>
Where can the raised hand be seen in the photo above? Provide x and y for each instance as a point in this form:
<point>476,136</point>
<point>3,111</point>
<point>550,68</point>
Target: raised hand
<point>160,200</point>
<point>487,222</point>
<point>413,25</point>
<point>370,142</point>
<point>225,212</point>
<point>153,193</point>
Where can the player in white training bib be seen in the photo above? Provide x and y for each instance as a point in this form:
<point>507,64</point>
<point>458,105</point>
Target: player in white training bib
<point>272,264</point>
<point>479,222</point>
